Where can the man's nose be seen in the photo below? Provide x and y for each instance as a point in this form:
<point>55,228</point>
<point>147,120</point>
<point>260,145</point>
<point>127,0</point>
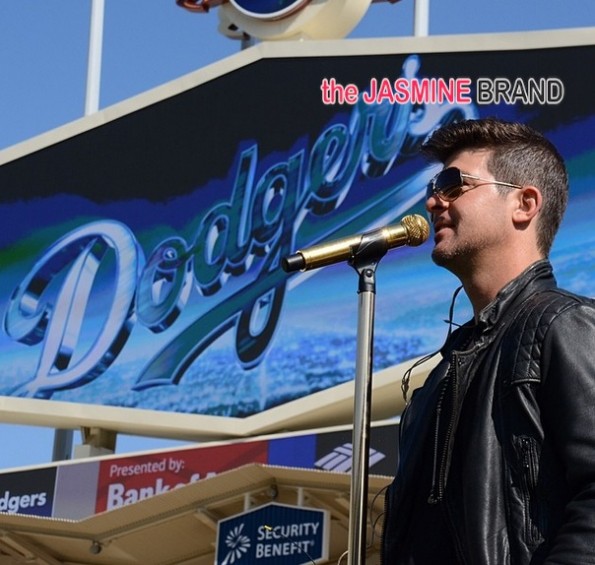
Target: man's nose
<point>433,203</point>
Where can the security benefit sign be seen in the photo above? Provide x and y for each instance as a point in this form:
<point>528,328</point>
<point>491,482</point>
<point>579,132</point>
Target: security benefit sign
<point>275,533</point>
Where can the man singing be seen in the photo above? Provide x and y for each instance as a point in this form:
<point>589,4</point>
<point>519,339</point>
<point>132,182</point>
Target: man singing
<point>497,449</point>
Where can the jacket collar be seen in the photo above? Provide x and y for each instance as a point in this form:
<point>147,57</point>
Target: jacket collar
<point>539,276</point>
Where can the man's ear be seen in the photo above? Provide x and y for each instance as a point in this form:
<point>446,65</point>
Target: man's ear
<point>528,203</point>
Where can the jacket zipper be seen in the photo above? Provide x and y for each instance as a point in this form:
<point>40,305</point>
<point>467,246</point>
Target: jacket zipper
<point>439,471</point>
<point>529,481</point>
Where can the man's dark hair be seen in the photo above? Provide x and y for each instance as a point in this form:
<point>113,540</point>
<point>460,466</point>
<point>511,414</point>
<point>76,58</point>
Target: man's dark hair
<point>519,155</point>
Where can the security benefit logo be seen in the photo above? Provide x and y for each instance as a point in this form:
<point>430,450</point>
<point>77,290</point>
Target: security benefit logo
<point>273,534</point>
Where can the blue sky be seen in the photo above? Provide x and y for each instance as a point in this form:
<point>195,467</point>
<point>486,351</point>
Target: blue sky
<point>44,45</point>
<point>43,65</point>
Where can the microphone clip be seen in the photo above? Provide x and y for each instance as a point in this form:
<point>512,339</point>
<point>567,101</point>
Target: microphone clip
<point>365,259</point>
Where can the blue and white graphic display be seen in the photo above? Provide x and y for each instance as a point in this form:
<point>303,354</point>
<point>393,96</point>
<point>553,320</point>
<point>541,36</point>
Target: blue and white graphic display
<point>141,272</point>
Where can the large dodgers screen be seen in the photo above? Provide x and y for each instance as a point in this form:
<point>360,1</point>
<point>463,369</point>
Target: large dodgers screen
<point>141,259</point>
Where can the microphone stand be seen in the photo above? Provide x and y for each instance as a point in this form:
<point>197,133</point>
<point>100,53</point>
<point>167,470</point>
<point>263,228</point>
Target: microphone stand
<point>364,260</point>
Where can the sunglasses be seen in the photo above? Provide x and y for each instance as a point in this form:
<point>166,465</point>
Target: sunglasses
<point>448,184</point>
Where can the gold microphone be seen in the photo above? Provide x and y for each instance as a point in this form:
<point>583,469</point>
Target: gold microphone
<point>412,230</point>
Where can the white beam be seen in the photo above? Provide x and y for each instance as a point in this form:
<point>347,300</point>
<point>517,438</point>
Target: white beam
<point>95,52</point>
<point>421,20</point>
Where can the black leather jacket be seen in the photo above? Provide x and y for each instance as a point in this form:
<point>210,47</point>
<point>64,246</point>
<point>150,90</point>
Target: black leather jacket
<point>513,444</point>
